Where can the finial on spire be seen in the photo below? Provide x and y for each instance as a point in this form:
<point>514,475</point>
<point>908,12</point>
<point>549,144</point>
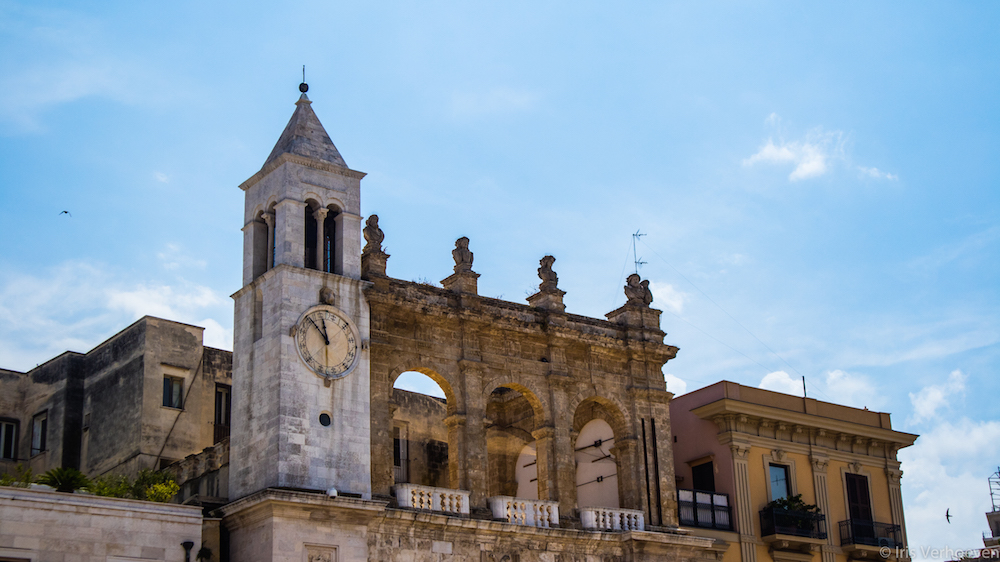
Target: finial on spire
<point>303,87</point>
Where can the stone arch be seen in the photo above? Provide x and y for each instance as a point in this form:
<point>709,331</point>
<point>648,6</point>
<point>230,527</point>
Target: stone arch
<point>446,386</point>
<point>538,407</point>
<point>599,407</point>
<point>599,459</point>
<point>509,434</point>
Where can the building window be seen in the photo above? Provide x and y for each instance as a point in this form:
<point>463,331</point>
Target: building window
<point>172,392</point>
<point>703,477</point>
<point>780,485</point>
<point>39,432</point>
<point>399,454</point>
<point>8,439</point>
<point>223,409</point>
<point>859,504</point>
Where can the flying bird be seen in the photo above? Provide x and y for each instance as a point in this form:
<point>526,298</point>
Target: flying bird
<point>947,515</point>
<point>67,213</point>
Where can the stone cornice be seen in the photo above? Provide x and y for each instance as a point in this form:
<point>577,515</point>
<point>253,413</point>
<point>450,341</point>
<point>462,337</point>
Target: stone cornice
<point>303,161</point>
<point>798,422</point>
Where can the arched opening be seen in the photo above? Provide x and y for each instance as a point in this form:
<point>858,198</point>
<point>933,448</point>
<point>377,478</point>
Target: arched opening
<point>420,437</point>
<point>331,242</point>
<point>600,427</point>
<point>259,235</point>
<point>596,466</point>
<point>510,447</point>
<point>311,238</point>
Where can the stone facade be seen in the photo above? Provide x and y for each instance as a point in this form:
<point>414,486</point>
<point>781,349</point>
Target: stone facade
<point>56,527</point>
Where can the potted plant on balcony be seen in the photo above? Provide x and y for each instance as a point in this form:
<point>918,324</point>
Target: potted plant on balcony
<point>792,513</point>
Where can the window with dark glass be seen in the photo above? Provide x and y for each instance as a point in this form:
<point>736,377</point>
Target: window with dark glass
<point>779,482</point>
<point>223,409</point>
<point>858,502</point>
<point>172,388</point>
<point>8,439</point>
<point>39,432</point>
<point>703,477</point>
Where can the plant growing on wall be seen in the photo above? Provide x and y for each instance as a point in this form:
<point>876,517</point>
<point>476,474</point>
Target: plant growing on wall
<point>793,503</point>
<point>148,485</point>
<point>21,478</point>
<point>64,479</point>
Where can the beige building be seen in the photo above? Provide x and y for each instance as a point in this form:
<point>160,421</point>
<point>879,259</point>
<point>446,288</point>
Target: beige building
<point>555,441</point>
<point>737,449</point>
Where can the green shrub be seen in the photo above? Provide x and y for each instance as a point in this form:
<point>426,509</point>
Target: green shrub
<point>64,479</point>
<point>148,485</point>
<point>162,492</point>
<point>112,486</point>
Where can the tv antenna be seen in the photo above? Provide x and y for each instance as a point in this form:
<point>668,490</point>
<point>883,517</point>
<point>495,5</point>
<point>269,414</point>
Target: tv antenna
<point>995,490</point>
<point>635,256</point>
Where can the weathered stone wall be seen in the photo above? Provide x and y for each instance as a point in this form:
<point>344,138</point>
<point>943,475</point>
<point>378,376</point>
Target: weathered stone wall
<point>422,418</point>
<point>41,525</point>
<point>471,346</point>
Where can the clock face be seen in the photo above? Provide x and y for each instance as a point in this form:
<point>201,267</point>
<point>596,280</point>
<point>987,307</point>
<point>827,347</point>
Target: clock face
<point>327,342</point>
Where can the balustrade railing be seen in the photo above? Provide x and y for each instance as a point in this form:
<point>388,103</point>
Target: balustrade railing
<point>520,511</point>
<point>778,521</point>
<point>612,519</point>
<point>435,499</point>
<point>870,533</point>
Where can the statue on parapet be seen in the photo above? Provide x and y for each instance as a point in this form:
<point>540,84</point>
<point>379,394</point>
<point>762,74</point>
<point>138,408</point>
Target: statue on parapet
<point>373,236</point>
<point>462,255</point>
<point>637,291</point>
<point>549,278</point>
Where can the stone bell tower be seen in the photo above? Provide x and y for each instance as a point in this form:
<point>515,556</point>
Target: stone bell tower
<point>301,395</point>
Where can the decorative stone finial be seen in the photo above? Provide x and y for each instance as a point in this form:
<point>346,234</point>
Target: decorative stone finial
<point>303,87</point>
<point>548,296</point>
<point>549,278</point>
<point>373,257</point>
<point>373,236</point>
<point>637,291</point>
<point>462,255</point>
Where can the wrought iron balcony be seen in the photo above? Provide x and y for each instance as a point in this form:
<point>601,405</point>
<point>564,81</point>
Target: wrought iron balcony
<point>869,533</point>
<point>778,521</point>
<point>707,510</point>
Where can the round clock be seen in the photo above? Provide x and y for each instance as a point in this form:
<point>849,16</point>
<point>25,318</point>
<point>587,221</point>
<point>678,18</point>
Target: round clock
<point>327,342</point>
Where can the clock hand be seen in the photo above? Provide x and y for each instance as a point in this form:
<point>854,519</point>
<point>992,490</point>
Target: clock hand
<point>322,332</point>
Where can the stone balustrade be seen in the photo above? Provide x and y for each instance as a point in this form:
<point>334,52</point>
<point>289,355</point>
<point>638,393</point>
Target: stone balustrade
<point>535,513</point>
<point>435,499</point>
<point>612,519</point>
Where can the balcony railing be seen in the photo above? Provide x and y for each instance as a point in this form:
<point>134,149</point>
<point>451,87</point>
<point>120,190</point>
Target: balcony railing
<point>534,513</point>
<point>707,510</point>
<point>435,499</point>
<point>869,533</point>
<point>778,521</point>
<point>612,519</point>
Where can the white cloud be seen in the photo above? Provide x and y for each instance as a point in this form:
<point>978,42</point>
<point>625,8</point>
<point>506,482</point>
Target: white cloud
<point>780,381</point>
<point>929,399</point>
<point>172,257</point>
<point>947,469</point>
<point>877,174</point>
<point>851,389</point>
<point>675,384</point>
<point>497,100</point>
<point>667,297</point>
<point>161,177</point>
<point>811,156</point>
<point>75,306</point>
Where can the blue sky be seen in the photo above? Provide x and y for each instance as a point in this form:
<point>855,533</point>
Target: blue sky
<point>816,179</point>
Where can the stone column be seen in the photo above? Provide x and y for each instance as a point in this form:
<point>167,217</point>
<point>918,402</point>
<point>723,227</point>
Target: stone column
<point>819,464</point>
<point>269,220</point>
<point>744,507</point>
<point>347,244</point>
<point>456,446</point>
<point>563,452</point>
<point>626,451</point>
<point>473,462</point>
<point>896,503</point>
<point>320,216</point>
<point>546,462</point>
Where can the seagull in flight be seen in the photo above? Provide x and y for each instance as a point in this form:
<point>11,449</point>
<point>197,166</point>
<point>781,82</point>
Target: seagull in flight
<point>67,213</point>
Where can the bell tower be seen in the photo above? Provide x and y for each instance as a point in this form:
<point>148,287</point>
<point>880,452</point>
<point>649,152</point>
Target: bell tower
<point>301,391</point>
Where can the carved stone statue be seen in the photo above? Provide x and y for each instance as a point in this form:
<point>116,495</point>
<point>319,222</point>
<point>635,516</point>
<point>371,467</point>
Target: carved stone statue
<point>549,278</point>
<point>462,255</point>
<point>637,291</point>
<point>373,236</point>
<point>327,296</point>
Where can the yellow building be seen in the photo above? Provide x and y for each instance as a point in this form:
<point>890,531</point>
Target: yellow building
<point>743,455</point>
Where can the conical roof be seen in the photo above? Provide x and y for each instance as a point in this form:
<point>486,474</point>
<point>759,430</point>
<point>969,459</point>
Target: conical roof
<point>305,136</point>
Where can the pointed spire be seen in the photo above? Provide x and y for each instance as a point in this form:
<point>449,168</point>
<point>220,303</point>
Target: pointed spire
<point>305,136</point>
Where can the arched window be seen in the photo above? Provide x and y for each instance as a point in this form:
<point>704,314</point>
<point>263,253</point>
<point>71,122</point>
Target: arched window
<point>310,238</point>
<point>330,242</point>
<point>420,438</point>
